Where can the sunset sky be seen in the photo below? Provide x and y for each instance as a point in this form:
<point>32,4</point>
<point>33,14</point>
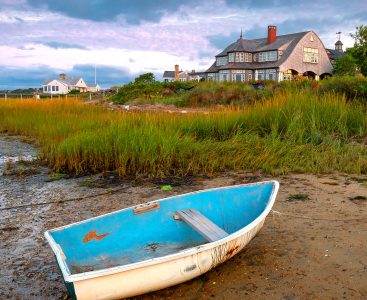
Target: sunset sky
<point>40,39</point>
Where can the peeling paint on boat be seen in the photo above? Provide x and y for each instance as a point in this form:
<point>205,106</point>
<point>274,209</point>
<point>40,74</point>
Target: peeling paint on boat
<point>139,277</point>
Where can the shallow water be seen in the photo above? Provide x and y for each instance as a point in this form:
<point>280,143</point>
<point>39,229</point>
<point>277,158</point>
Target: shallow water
<point>13,150</point>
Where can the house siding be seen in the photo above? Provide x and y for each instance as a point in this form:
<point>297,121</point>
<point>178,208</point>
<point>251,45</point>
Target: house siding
<point>62,88</point>
<point>295,58</point>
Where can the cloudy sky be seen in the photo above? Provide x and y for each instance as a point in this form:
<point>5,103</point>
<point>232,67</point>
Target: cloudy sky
<point>123,38</point>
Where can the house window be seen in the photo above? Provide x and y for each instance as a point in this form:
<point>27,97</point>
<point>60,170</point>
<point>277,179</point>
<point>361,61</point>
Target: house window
<point>248,57</point>
<point>221,61</point>
<point>240,57</point>
<point>311,55</point>
<point>267,56</point>
<point>260,75</point>
<point>231,57</point>
<point>224,75</point>
<point>53,88</point>
<point>271,74</point>
<point>249,76</point>
<point>57,88</point>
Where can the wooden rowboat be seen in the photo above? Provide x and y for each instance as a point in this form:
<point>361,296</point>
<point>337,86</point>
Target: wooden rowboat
<point>161,243</point>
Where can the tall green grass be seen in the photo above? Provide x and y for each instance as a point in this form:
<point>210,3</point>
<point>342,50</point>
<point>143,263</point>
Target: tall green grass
<point>288,132</point>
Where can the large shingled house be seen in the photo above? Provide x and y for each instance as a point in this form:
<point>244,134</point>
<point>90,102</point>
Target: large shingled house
<point>274,58</point>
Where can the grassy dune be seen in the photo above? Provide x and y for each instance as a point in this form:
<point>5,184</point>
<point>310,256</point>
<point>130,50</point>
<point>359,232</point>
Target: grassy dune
<point>289,132</point>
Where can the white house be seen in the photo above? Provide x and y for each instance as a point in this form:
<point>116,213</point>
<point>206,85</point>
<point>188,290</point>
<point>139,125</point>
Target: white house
<point>93,88</point>
<point>65,84</point>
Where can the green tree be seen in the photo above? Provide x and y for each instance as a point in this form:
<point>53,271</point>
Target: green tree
<point>345,65</point>
<point>145,78</point>
<point>359,51</point>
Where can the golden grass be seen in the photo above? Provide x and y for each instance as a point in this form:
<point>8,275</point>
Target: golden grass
<point>290,132</point>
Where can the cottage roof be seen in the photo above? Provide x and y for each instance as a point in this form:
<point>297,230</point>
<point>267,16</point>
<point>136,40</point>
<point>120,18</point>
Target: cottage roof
<point>262,44</point>
<point>285,42</point>
<point>197,73</point>
<point>47,81</point>
<point>69,81</point>
<point>169,74</point>
<point>334,54</point>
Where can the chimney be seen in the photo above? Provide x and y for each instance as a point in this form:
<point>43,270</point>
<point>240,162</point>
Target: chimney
<point>62,76</point>
<point>177,71</point>
<point>272,34</point>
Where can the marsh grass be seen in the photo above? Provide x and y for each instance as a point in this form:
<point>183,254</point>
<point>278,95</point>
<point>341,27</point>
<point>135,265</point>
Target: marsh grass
<point>288,132</point>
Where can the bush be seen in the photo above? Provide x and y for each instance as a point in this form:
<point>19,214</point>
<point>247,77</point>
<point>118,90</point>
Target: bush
<point>351,86</point>
<point>74,92</point>
<point>143,91</point>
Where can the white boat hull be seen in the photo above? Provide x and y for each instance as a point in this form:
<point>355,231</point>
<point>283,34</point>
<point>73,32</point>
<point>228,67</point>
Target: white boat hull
<point>164,274</point>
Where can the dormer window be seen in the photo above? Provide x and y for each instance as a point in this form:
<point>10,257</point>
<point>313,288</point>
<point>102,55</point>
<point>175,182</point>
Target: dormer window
<point>267,56</point>
<point>221,61</point>
<point>240,57</point>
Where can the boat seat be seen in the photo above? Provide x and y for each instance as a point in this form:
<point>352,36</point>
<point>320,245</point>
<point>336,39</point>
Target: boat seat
<point>202,224</point>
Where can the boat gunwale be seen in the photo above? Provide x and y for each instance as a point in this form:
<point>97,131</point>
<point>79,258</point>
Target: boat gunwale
<point>68,277</point>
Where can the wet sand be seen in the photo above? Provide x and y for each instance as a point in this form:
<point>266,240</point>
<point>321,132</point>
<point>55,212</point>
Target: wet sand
<point>312,247</point>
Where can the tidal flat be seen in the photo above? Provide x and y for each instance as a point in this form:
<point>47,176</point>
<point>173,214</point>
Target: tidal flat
<point>313,248</point>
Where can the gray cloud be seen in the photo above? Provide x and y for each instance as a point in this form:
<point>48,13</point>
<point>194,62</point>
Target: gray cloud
<point>106,75</point>
<point>134,12</point>
<point>14,78</point>
<point>60,45</point>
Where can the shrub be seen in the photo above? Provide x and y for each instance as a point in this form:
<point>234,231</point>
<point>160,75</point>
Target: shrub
<point>351,86</point>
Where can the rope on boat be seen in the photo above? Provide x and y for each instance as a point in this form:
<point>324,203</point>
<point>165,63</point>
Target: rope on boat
<point>62,201</point>
<point>317,219</point>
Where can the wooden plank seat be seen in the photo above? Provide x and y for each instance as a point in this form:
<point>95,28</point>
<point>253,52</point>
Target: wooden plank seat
<point>202,224</point>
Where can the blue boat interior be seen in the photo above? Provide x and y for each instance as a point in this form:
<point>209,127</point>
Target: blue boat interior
<point>126,237</point>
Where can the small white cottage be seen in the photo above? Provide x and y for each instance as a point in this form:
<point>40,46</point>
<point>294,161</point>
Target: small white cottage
<point>65,84</point>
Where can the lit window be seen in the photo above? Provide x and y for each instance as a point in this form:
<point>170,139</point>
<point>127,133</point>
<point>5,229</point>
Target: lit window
<point>310,55</point>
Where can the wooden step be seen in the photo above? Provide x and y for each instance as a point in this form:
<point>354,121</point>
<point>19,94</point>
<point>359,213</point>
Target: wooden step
<point>202,224</point>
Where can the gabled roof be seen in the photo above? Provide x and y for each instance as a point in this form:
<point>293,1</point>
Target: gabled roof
<point>197,73</point>
<point>285,42</point>
<point>334,54</point>
<point>169,74</point>
<point>262,44</point>
<point>48,81</point>
<point>69,81</point>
